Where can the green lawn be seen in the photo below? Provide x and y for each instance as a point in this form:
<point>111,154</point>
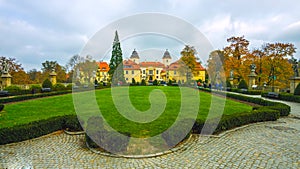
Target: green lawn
<point>144,119</point>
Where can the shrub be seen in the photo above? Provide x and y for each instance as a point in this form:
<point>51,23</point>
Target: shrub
<point>297,90</point>
<point>72,123</point>
<point>1,107</point>
<point>170,83</point>
<point>178,132</point>
<point>243,84</point>
<point>143,83</point>
<point>97,135</point>
<point>69,87</point>
<point>47,84</point>
<point>35,89</point>
<point>59,87</point>
<point>155,83</point>
<point>133,82</point>
<point>14,90</point>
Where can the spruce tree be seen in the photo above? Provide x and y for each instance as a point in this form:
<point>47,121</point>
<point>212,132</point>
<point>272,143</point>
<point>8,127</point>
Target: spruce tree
<point>116,63</point>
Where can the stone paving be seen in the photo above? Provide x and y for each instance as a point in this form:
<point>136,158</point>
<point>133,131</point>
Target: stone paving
<point>262,145</point>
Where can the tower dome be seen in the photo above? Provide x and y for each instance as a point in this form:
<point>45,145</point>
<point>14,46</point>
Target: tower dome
<point>134,55</point>
<point>167,55</point>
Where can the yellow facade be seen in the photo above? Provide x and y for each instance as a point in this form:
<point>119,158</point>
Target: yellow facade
<point>130,74</point>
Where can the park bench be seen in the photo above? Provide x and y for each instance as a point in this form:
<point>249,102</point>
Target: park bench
<point>273,95</point>
<point>46,89</point>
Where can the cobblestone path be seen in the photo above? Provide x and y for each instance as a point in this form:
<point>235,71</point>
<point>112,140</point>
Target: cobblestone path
<point>262,145</point>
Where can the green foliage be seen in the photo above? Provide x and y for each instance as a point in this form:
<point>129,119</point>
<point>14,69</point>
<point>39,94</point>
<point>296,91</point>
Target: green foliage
<point>133,82</point>
<point>28,97</point>
<point>59,87</point>
<point>143,83</point>
<point>35,88</point>
<point>14,90</point>
<point>170,82</point>
<point>285,96</point>
<point>47,84</point>
<point>235,120</point>
<point>297,90</point>
<point>69,87</point>
<point>228,84</point>
<point>116,62</point>
<point>98,136</point>
<point>38,128</point>
<point>72,123</point>
<point>243,84</point>
<point>155,83</point>
<point>178,132</point>
<point>1,107</point>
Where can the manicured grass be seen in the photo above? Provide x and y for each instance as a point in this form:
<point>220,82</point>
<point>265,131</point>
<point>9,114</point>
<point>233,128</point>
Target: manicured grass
<point>151,122</point>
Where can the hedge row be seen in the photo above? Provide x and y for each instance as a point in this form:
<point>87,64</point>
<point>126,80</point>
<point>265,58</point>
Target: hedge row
<point>249,92</point>
<point>38,128</point>
<point>285,97</point>
<point>283,109</point>
<point>235,120</point>
<point>31,96</point>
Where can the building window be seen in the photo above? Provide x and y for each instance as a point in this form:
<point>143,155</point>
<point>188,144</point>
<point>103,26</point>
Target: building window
<point>144,71</point>
<point>156,71</point>
<point>156,77</point>
<point>150,72</point>
<point>126,79</point>
<point>132,72</point>
<point>174,72</point>
<point>167,60</point>
<point>126,72</point>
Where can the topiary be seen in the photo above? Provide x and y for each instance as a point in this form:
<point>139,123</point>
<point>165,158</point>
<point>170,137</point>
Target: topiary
<point>47,84</point>
<point>1,107</point>
<point>59,87</point>
<point>133,82</point>
<point>243,84</point>
<point>155,83</point>
<point>35,88</point>
<point>143,83</point>
<point>297,90</point>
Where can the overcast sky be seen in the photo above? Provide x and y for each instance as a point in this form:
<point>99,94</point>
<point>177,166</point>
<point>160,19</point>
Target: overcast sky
<point>33,31</point>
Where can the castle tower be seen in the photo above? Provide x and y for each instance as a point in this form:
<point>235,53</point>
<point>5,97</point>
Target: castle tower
<point>166,58</point>
<point>135,57</point>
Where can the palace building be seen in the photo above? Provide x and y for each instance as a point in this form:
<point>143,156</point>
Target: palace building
<point>150,71</point>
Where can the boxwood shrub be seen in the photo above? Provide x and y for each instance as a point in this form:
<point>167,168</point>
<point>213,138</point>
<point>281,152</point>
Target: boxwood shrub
<point>1,107</point>
<point>235,120</point>
<point>99,137</point>
<point>38,128</point>
<point>177,132</point>
<point>32,96</point>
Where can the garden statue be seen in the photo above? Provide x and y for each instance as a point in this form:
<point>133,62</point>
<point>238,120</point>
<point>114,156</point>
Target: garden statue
<point>5,68</point>
<point>252,67</point>
<point>231,73</point>
<point>296,70</point>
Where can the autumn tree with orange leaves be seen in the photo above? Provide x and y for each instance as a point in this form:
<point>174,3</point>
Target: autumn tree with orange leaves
<point>271,60</point>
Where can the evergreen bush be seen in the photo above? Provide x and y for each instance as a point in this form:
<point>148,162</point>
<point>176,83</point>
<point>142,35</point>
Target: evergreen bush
<point>243,84</point>
<point>297,90</point>
<point>47,84</point>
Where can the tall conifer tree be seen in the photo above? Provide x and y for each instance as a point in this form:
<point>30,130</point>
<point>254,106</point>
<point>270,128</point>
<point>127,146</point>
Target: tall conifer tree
<point>116,63</point>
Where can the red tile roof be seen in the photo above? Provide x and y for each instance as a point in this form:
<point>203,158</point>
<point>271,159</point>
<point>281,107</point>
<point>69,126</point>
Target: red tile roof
<point>103,66</point>
<point>130,65</point>
<point>152,64</point>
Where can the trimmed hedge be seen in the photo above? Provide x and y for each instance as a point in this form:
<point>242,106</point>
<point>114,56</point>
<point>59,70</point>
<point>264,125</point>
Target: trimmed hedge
<point>32,96</point>
<point>1,107</point>
<point>106,140</point>
<point>283,109</point>
<point>178,132</point>
<point>285,97</point>
<point>231,121</point>
<point>37,129</point>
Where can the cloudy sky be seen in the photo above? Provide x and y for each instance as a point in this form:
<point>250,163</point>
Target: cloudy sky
<point>33,31</point>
